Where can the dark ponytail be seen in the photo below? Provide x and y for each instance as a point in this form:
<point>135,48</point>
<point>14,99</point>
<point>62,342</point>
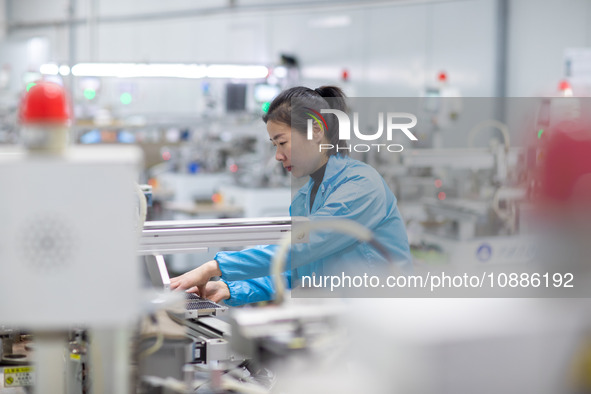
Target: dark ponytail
<point>292,106</point>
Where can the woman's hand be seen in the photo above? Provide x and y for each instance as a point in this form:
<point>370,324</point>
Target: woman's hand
<point>197,278</point>
<point>216,291</point>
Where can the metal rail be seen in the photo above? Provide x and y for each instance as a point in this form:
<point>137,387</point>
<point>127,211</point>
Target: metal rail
<point>189,236</point>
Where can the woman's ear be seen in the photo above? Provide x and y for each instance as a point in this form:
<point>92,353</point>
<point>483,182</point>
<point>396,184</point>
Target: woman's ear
<point>317,132</point>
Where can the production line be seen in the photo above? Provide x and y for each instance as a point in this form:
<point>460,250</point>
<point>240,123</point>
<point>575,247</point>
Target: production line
<point>256,197</point>
<point>157,340</point>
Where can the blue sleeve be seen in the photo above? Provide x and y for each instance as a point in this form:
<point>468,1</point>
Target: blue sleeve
<point>253,262</point>
<point>253,290</point>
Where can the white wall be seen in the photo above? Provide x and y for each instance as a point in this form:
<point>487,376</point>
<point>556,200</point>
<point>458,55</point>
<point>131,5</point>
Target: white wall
<point>390,48</point>
<point>539,32</point>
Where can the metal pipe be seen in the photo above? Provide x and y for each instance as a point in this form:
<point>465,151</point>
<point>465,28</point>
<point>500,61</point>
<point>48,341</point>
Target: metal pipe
<point>5,4</point>
<point>501,47</point>
<point>92,30</point>
<point>71,40</point>
<point>501,58</point>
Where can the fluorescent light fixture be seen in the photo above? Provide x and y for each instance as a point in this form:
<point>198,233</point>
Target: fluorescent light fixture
<point>134,70</point>
<point>280,72</point>
<point>49,69</point>
<point>64,70</point>
<point>237,71</point>
<point>54,69</point>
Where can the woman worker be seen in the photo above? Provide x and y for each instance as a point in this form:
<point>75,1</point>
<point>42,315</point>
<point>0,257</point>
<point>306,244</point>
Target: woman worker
<point>339,187</point>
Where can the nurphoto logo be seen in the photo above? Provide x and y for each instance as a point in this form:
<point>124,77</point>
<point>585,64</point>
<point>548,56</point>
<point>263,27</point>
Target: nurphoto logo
<point>402,121</point>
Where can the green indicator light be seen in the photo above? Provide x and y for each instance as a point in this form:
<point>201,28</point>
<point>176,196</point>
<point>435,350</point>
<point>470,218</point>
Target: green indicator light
<point>265,106</point>
<point>30,85</point>
<point>125,98</point>
<point>89,94</point>
<point>540,133</point>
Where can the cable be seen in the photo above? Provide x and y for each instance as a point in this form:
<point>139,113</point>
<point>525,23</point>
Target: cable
<point>300,228</point>
<point>157,345</point>
<point>490,123</point>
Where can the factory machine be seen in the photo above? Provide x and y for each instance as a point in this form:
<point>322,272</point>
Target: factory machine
<point>480,222</point>
<point>468,205</point>
<point>64,262</point>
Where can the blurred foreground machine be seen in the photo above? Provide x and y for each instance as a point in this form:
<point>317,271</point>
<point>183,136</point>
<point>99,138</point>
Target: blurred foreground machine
<point>59,250</point>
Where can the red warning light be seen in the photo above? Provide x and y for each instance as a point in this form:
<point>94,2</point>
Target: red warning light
<point>166,155</point>
<point>564,85</point>
<point>233,168</point>
<point>565,88</point>
<point>216,198</point>
<point>441,196</point>
<point>438,183</point>
<point>442,76</point>
<point>345,75</point>
<point>45,102</point>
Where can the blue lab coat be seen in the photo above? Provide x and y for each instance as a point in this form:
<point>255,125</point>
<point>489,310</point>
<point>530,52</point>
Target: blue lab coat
<point>350,189</point>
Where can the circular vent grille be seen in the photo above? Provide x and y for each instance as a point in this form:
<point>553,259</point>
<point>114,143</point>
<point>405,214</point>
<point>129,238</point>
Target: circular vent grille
<point>47,243</point>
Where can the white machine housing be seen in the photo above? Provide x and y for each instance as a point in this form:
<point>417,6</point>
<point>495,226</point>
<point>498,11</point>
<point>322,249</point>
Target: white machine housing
<point>69,230</point>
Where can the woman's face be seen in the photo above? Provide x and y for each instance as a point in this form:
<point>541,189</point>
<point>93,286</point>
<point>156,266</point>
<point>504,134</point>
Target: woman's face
<point>298,155</point>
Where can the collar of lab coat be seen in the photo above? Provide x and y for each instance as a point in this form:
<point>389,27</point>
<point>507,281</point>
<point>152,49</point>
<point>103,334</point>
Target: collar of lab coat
<point>336,164</point>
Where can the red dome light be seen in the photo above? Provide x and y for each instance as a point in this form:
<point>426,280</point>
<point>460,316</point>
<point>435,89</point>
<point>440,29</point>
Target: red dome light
<point>45,102</point>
